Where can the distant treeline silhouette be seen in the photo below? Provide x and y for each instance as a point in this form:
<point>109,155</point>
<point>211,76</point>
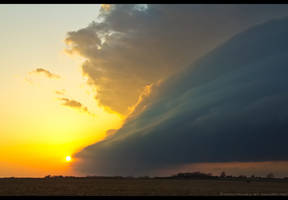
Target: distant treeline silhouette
<point>182,175</point>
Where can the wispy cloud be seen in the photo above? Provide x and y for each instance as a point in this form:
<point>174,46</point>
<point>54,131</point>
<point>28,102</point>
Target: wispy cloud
<point>60,92</point>
<point>46,73</point>
<point>74,104</point>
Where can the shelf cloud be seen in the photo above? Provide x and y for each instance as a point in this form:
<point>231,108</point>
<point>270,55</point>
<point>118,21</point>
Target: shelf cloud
<point>228,106</point>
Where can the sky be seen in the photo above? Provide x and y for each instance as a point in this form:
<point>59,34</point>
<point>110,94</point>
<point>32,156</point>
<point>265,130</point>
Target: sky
<point>143,89</point>
<point>37,132</point>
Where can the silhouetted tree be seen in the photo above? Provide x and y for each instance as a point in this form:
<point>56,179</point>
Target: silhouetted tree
<point>192,175</point>
<point>222,175</point>
<point>242,176</point>
<point>48,176</point>
<point>270,175</point>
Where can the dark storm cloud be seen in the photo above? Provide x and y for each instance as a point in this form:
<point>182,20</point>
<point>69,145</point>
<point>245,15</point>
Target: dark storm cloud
<point>46,73</point>
<point>230,105</point>
<point>146,44</point>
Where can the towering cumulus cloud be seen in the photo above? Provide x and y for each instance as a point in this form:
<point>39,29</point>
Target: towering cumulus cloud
<point>133,46</point>
<point>230,105</point>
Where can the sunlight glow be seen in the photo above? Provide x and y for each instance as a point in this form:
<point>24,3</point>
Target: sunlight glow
<point>68,158</point>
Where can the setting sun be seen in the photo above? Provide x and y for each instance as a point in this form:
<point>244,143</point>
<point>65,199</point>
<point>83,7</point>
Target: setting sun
<point>68,158</point>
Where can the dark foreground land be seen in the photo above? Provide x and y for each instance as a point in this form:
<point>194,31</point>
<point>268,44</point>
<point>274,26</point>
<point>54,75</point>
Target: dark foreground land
<point>132,186</point>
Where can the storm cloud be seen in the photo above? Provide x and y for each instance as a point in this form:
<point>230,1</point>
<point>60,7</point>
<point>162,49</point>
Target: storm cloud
<point>132,46</point>
<point>228,106</point>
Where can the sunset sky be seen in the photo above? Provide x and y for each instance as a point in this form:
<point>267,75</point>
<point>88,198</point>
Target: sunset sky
<point>37,132</point>
<point>143,89</point>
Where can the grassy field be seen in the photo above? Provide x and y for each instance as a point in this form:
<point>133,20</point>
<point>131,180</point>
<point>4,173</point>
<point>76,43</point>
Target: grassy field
<point>127,187</point>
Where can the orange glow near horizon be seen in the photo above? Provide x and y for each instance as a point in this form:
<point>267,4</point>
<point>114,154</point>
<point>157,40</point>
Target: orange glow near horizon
<point>40,134</point>
<point>37,132</point>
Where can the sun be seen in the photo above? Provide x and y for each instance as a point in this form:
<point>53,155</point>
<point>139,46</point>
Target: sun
<point>68,158</point>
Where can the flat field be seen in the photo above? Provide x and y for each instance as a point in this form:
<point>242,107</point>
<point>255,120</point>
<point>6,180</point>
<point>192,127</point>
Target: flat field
<point>136,187</point>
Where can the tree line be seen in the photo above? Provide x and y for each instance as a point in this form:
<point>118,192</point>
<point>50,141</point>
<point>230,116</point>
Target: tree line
<point>183,175</point>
